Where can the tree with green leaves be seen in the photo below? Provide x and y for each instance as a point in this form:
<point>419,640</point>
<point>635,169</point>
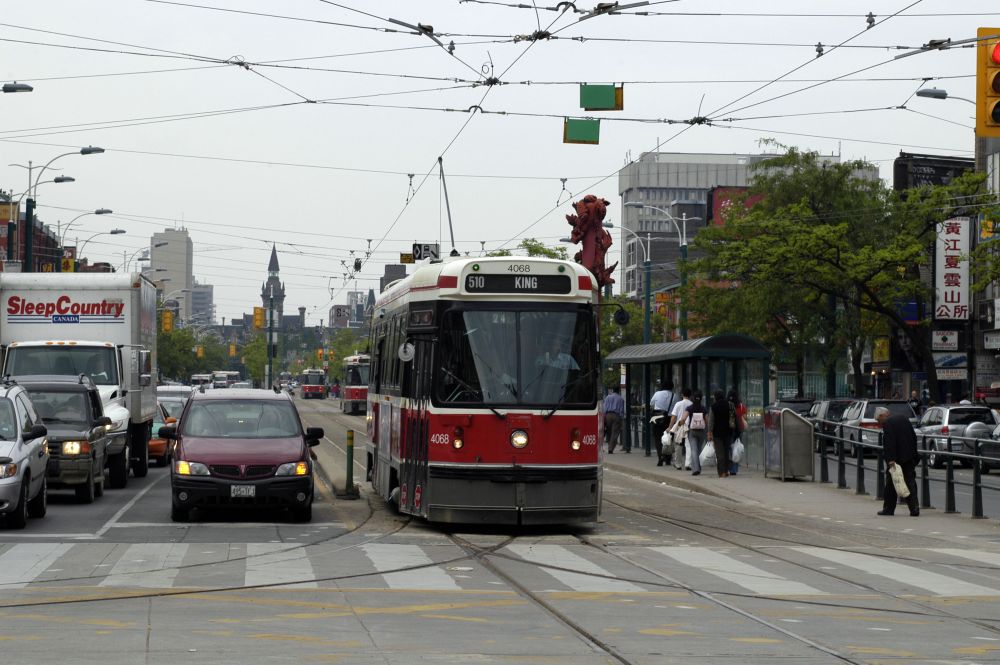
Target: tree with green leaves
<point>533,247</point>
<point>829,252</point>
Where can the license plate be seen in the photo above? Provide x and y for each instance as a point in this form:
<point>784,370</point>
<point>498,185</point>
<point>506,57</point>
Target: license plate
<point>242,491</point>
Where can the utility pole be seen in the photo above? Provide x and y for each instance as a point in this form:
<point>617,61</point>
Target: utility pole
<point>269,378</point>
<point>29,235</point>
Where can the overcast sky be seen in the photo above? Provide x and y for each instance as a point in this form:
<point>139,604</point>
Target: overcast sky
<point>148,81</point>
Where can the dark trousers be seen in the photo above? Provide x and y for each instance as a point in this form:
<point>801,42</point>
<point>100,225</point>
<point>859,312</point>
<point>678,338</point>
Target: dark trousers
<point>659,427</point>
<point>890,496</point>
<point>612,430</point>
<point>721,444</point>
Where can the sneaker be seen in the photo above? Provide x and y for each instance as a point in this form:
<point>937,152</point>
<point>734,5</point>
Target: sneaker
<point>914,513</point>
<point>696,473</point>
<point>884,512</point>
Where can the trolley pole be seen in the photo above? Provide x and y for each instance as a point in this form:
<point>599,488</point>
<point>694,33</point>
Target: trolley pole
<point>350,490</point>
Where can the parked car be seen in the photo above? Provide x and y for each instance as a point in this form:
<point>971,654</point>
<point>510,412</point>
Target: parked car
<point>241,448</point>
<point>70,408</point>
<point>173,399</point>
<point>159,448</point>
<point>24,458</point>
<point>858,423</point>
<point>939,423</point>
<point>800,405</point>
<point>826,415</point>
<point>989,443</point>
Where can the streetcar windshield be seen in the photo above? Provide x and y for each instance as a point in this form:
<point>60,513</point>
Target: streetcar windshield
<point>356,375</point>
<point>537,358</point>
<point>310,379</point>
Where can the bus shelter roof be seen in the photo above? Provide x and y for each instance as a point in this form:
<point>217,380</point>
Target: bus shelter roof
<point>716,346</point>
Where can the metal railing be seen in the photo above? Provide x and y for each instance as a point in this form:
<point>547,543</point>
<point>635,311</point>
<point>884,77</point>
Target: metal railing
<point>863,440</point>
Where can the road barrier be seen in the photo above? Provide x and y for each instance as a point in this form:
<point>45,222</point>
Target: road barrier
<point>864,441</point>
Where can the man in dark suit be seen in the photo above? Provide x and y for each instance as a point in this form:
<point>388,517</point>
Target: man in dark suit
<point>900,444</point>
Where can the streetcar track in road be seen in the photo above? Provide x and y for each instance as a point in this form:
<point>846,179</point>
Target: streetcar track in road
<point>982,623</point>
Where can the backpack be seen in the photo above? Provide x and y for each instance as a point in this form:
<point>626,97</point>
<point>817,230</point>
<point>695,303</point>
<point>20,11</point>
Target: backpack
<point>732,417</point>
<point>697,420</point>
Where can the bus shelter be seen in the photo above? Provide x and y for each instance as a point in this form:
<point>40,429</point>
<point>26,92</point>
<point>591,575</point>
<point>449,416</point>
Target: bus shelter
<point>720,362</point>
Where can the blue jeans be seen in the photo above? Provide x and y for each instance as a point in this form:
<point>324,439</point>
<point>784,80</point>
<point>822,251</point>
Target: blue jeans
<point>696,439</point>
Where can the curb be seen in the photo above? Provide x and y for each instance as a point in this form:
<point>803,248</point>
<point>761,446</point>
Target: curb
<point>668,480</point>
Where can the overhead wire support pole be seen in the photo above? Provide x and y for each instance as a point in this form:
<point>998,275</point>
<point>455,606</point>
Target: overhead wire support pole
<point>447,205</point>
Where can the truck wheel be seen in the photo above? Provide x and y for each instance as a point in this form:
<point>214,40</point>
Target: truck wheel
<point>19,518</point>
<point>118,469</point>
<point>38,506</point>
<point>85,492</point>
<point>140,449</point>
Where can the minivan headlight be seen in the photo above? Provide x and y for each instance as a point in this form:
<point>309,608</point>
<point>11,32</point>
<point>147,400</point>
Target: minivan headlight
<point>293,469</point>
<point>184,468</point>
<point>8,470</point>
<point>75,447</point>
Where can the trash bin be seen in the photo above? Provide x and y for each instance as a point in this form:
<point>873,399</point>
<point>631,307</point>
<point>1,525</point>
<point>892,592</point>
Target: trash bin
<point>788,445</point>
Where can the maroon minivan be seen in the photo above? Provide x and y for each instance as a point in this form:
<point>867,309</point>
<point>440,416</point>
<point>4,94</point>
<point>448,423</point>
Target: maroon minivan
<point>241,448</point>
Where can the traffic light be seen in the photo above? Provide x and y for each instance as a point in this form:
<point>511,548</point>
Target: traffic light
<point>232,350</point>
<point>258,318</point>
<point>200,351</point>
<point>319,354</point>
<point>168,320</point>
<point>988,83</point>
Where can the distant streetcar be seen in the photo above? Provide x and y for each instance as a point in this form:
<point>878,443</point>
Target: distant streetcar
<point>484,392</point>
<point>313,383</point>
<point>354,388</point>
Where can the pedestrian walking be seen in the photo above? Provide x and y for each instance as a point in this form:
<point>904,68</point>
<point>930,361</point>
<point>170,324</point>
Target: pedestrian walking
<point>915,403</point>
<point>899,443</point>
<point>697,424</point>
<point>722,429</point>
<point>662,402</point>
<point>741,426</point>
<point>678,428</point>
<point>614,416</point>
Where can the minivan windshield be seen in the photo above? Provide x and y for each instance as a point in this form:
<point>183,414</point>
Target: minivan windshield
<point>241,419</point>
<point>61,407</point>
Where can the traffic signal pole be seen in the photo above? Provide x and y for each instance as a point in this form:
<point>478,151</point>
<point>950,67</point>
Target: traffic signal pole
<point>269,379</point>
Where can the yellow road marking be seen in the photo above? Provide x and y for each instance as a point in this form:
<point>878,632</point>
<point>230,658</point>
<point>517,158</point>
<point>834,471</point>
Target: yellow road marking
<point>308,639</point>
<point>452,617</point>
<point>882,651</point>
<point>978,650</point>
<point>667,632</point>
<point>756,640</point>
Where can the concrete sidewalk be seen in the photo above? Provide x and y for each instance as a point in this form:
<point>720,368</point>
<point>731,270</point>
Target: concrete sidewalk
<point>804,498</point>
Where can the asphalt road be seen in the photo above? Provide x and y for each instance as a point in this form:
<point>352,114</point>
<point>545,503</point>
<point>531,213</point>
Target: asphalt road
<point>665,577</point>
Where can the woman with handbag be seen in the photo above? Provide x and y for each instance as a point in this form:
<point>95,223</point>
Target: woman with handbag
<point>722,429</point>
<point>741,422</point>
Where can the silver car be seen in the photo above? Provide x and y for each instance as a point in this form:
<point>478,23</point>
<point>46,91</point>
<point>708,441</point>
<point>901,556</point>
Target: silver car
<point>939,424</point>
<point>24,457</point>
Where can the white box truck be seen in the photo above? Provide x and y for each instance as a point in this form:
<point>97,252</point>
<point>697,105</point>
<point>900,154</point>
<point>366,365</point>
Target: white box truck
<point>99,324</point>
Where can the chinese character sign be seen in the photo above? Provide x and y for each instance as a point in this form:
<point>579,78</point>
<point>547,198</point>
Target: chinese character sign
<point>951,270</point>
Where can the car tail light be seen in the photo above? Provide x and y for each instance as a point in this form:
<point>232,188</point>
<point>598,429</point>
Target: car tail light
<point>944,429</point>
<point>871,425</point>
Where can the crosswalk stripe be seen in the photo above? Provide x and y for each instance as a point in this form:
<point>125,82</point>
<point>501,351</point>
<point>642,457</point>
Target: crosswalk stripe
<point>737,572</point>
<point>937,584</point>
<point>389,557</point>
<point>278,563</point>
<point>557,555</point>
<point>21,564</point>
<point>974,555</point>
<point>148,565</point>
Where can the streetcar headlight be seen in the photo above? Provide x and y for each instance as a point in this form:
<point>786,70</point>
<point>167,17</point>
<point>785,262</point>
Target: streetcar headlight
<point>184,468</point>
<point>75,447</point>
<point>574,439</point>
<point>457,441</point>
<point>519,438</point>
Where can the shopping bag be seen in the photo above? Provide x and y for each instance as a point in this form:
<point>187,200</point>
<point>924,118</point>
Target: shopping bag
<point>736,451</point>
<point>898,481</point>
<point>707,457</point>
<point>667,439</point>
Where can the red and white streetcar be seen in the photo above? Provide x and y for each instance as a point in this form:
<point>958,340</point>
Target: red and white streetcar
<point>354,390</point>
<point>312,383</point>
<point>482,404</point>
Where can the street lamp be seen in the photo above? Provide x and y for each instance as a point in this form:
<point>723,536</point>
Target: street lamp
<point>682,241</point>
<point>29,209</point>
<point>646,272</point>
<point>938,93</point>
<point>113,232</point>
<point>15,213</point>
<point>62,235</point>
<point>141,249</point>
<point>17,87</point>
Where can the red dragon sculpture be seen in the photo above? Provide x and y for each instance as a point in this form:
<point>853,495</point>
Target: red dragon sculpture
<point>589,231</point>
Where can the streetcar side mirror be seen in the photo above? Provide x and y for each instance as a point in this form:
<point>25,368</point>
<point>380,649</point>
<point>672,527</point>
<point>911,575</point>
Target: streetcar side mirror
<point>621,317</point>
<point>406,351</point>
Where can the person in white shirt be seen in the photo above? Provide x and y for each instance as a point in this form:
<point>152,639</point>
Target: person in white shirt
<point>678,429</point>
<point>663,403</point>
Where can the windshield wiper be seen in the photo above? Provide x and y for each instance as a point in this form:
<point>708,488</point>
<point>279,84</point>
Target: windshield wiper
<point>468,387</point>
<point>569,386</point>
